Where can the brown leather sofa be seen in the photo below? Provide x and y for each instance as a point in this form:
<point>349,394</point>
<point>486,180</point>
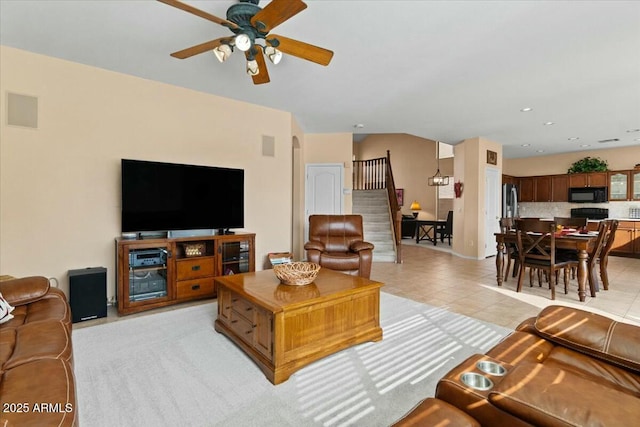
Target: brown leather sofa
<point>564,367</point>
<point>37,386</point>
<point>337,242</point>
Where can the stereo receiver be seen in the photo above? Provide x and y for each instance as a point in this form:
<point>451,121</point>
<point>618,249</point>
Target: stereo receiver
<point>147,257</point>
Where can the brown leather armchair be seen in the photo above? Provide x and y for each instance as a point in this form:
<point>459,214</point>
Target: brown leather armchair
<point>337,242</point>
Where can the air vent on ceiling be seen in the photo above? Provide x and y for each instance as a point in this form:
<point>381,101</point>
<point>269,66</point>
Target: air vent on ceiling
<point>603,141</point>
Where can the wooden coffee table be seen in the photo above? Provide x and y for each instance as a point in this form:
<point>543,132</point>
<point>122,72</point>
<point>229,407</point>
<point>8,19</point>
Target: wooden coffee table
<point>284,328</point>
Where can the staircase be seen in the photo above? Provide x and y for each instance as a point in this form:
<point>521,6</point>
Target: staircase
<point>373,205</point>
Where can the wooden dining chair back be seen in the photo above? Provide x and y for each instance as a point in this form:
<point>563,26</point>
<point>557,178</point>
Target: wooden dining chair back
<point>604,254</point>
<point>536,243</point>
<point>577,223</point>
<point>507,225</point>
<point>447,230</point>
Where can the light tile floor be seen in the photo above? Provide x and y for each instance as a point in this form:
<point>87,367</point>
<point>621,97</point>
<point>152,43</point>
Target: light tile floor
<point>469,287</point>
<point>434,276</point>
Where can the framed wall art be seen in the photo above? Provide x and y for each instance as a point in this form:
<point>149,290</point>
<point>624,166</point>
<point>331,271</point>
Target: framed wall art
<point>492,157</point>
<point>400,196</point>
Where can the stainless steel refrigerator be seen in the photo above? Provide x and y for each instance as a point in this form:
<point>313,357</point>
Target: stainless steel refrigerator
<point>509,201</point>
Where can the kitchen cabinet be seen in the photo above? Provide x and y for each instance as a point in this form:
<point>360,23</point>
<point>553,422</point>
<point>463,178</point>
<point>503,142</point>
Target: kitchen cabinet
<point>560,188</point>
<point>527,189</point>
<point>634,178</point>
<point>593,179</point>
<point>542,188</point>
<point>626,240</point>
<point>508,179</point>
<point>619,188</point>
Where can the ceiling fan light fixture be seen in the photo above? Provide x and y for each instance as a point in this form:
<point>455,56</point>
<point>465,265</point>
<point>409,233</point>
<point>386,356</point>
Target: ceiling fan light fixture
<point>252,68</point>
<point>273,54</point>
<point>243,42</point>
<point>222,52</point>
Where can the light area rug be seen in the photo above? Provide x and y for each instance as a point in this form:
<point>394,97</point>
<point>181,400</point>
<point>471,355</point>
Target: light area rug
<point>173,369</point>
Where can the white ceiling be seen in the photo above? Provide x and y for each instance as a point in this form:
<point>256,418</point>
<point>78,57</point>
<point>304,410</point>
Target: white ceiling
<point>443,70</point>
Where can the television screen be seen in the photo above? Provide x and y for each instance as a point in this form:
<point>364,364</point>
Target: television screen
<point>166,196</point>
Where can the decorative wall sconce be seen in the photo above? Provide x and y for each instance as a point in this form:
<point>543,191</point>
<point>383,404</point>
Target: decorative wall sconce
<point>457,188</point>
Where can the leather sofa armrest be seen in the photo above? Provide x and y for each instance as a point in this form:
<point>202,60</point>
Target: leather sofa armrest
<point>538,394</point>
<point>592,334</point>
<point>24,290</point>
<point>361,246</point>
<point>314,245</point>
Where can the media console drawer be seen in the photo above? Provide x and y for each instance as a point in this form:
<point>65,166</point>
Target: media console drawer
<point>195,288</point>
<point>194,268</point>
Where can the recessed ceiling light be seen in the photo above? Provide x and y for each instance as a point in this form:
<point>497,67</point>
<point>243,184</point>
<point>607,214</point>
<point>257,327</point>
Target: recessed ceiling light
<point>358,126</point>
<point>525,145</point>
<point>539,151</point>
<point>633,130</point>
<point>548,123</point>
<point>526,109</point>
<point>573,138</point>
<point>585,145</point>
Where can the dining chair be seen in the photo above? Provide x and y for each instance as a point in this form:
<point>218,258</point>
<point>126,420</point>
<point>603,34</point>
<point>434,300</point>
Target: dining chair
<point>447,231</point>
<point>604,255</point>
<point>536,243</point>
<point>576,223</point>
<point>594,255</point>
<point>510,249</point>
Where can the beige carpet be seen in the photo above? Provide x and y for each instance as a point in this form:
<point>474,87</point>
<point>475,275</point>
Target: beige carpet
<point>172,368</point>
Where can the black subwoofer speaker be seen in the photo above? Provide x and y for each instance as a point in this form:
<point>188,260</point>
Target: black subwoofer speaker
<point>88,293</point>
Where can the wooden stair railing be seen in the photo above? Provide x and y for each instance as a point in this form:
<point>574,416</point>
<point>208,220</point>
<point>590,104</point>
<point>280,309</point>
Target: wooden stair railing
<point>377,174</point>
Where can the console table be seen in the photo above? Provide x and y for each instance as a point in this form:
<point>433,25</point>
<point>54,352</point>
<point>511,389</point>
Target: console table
<point>284,328</point>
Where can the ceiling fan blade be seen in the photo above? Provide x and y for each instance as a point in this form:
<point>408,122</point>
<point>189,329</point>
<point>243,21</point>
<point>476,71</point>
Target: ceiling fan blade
<point>302,50</point>
<point>263,74</point>
<point>198,12</point>
<point>200,48</point>
<point>275,13</point>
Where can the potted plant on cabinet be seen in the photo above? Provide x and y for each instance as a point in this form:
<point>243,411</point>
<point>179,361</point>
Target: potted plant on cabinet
<point>589,164</point>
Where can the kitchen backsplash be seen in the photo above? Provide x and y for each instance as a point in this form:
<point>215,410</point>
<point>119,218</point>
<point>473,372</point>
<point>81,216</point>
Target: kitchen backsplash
<point>618,210</point>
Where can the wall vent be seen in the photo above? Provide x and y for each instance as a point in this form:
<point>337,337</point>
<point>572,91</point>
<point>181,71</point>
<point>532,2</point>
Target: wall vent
<point>22,110</point>
<point>268,146</point>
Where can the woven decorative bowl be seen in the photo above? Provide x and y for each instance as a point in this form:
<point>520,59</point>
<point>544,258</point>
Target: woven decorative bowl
<point>297,273</point>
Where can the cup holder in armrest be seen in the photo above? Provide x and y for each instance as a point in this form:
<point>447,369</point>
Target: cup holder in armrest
<point>491,368</point>
<point>476,381</point>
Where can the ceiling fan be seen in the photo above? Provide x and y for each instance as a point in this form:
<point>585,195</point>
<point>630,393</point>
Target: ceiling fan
<point>251,23</point>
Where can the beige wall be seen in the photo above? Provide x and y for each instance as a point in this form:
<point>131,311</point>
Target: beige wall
<point>470,164</point>
<point>60,184</point>
<point>332,148</point>
<point>617,158</point>
<point>413,160</point>
<point>298,173</point>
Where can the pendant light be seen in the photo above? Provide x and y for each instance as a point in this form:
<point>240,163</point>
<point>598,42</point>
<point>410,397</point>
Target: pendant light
<point>438,180</point>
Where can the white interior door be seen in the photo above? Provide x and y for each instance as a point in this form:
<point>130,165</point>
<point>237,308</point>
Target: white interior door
<point>493,195</point>
<point>323,190</point>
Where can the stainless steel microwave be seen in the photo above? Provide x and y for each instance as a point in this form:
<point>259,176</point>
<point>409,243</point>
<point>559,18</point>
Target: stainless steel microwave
<point>588,195</point>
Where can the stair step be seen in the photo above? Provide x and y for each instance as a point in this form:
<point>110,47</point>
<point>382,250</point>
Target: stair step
<point>374,208</point>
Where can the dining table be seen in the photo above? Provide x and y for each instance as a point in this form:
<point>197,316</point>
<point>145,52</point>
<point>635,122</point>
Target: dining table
<point>581,243</point>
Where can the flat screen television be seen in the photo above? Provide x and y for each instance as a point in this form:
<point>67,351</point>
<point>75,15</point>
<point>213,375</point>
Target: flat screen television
<point>167,196</point>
